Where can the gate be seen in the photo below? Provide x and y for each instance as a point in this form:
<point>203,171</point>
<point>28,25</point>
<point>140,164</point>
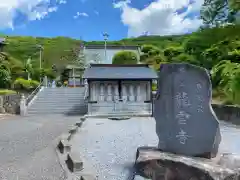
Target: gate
<point>120,105</point>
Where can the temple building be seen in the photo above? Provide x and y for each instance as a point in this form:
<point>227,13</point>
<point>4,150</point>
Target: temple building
<point>119,89</point>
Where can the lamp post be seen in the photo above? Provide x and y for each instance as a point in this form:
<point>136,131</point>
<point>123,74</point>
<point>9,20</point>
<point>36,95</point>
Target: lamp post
<point>105,35</point>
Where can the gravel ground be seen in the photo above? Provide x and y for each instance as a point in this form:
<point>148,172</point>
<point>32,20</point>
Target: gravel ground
<point>27,151</point>
<point>109,147</point>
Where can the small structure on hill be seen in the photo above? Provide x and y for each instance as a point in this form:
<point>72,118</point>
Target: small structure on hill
<point>103,54</point>
<point>2,44</point>
<point>119,89</point>
<point>75,75</point>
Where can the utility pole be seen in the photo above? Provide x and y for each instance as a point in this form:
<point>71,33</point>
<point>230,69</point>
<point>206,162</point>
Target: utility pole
<point>40,58</point>
<point>40,55</point>
<point>29,66</point>
<point>105,35</point>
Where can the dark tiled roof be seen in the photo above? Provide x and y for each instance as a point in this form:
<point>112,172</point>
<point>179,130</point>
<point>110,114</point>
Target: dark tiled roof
<point>127,47</point>
<point>110,71</point>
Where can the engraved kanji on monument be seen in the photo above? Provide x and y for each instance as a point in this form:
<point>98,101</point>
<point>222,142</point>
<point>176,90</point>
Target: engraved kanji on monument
<point>185,121</point>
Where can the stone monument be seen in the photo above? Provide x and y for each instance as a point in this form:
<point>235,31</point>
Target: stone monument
<point>185,121</point>
<point>187,128</point>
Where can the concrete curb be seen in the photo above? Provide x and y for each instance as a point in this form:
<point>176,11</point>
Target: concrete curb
<point>71,162</point>
<point>122,115</point>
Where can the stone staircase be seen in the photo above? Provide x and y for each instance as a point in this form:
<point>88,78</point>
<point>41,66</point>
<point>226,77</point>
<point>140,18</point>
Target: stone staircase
<point>64,100</point>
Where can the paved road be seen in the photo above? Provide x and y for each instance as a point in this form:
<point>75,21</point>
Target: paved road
<point>27,149</point>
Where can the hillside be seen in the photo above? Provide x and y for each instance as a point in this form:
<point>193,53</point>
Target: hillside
<point>56,50</point>
<point>62,50</point>
<point>209,48</point>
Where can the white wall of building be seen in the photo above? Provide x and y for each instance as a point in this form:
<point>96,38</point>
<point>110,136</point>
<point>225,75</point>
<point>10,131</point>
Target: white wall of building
<point>99,55</point>
<point>104,98</point>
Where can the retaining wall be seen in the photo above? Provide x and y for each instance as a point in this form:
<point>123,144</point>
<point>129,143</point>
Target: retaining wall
<point>228,113</point>
<point>10,104</point>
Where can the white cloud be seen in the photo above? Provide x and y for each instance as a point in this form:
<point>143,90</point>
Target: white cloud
<point>62,2</point>
<point>80,14</point>
<point>160,17</point>
<point>32,9</point>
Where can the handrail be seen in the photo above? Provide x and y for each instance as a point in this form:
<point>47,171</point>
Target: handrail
<point>34,92</point>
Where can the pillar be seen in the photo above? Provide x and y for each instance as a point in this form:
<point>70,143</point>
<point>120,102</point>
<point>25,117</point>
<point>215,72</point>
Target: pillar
<point>109,92</point>
<point>116,95</point>
<point>139,92</point>
<point>94,91</point>
<point>74,83</point>
<point>102,93</point>
<point>124,92</point>
<point>23,107</point>
<point>149,91</point>
<point>131,93</point>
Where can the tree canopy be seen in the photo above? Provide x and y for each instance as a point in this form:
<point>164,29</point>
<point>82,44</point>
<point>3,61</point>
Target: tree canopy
<point>125,57</point>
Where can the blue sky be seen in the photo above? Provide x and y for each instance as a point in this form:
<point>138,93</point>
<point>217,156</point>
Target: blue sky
<point>87,19</point>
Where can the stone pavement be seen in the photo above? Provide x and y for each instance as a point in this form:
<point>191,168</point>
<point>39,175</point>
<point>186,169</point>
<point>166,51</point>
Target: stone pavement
<point>109,147</point>
<point>27,151</point>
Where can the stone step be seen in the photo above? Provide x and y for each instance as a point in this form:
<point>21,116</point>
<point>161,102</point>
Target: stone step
<point>55,108</point>
<point>66,92</point>
<point>59,95</point>
<point>50,108</point>
<point>60,103</point>
<point>46,106</point>
<point>56,112</point>
<point>63,91</point>
<point>58,100</point>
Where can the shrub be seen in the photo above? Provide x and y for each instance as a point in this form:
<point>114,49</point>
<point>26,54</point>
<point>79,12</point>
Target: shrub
<point>34,83</point>
<point>23,84</point>
<point>5,77</point>
<point>7,92</point>
<point>154,87</point>
<point>125,57</point>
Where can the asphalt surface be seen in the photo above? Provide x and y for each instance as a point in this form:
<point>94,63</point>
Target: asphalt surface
<point>109,147</point>
<point>27,149</point>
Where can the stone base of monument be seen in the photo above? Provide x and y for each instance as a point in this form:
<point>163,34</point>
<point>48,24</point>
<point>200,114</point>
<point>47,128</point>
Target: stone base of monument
<point>151,163</point>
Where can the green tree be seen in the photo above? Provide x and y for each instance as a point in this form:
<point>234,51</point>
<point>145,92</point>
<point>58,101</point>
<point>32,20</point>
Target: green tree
<point>5,77</point>
<point>226,75</point>
<point>217,12</point>
<point>185,58</point>
<point>125,57</point>
<point>172,52</point>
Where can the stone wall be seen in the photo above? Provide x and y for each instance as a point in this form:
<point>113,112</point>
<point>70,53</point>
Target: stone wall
<point>10,104</point>
<point>227,113</point>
